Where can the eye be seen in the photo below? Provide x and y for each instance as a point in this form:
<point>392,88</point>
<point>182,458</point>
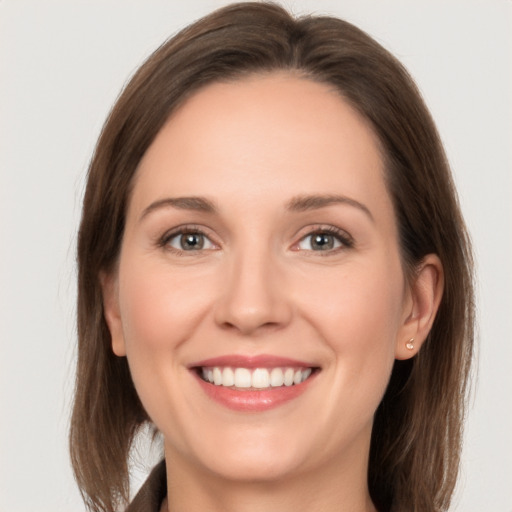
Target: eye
<point>324,240</point>
<point>188,241</point>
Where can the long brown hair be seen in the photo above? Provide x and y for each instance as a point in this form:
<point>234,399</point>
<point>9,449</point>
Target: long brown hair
<point>416,439</point>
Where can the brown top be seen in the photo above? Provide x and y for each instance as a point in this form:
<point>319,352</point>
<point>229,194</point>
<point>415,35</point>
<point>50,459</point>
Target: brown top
<point>152,493</point>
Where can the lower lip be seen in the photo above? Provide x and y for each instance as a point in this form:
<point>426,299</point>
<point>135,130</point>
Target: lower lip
<point>254,401</point>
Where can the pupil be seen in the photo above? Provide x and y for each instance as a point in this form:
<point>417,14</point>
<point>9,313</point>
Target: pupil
<point>192,241</point>
<point>323,242</point>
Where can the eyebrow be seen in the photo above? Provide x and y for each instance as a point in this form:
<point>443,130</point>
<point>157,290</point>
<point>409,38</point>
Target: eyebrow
<point>200,204</point>
<point>315,202</point>
<point>296,204</point>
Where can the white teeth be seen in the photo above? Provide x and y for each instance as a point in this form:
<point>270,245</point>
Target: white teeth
<point>242,378</point>
<point>228,377</point>
<point>217,376</point>
<point>258,378</point>
<point>276,377</point>
<point>288,377</point>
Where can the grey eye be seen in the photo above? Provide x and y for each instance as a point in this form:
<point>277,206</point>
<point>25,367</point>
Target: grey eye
<point>190,242</point>
<point>319,242</point>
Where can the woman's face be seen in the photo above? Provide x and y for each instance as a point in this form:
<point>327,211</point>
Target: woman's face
<point>260,249</point>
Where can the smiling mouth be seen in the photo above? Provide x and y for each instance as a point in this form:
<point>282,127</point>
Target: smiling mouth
<point>253,379</point>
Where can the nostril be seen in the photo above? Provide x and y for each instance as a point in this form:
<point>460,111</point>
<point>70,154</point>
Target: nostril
<point>251,328</point>
<point>252,303</point>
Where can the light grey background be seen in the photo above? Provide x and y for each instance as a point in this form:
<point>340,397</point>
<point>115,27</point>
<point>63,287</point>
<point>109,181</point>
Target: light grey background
<point>62,65</point>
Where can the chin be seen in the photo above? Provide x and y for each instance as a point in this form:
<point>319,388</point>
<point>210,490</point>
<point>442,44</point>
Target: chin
<point>263,458</point>
<point>256,470</point>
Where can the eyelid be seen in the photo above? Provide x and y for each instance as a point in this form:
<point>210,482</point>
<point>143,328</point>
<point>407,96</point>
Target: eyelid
<point>163,240</point>
<point>345,239</point>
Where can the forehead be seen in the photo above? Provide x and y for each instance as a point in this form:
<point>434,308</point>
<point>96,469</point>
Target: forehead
<point>260,135</point>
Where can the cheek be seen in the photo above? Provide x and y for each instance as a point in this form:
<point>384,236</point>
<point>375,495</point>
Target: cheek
<point>160,310</point>
<point>358,312</point>
<point>159,307</point>
<point>360,301</point>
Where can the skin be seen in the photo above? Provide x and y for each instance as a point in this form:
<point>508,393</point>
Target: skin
<point>258,286</point>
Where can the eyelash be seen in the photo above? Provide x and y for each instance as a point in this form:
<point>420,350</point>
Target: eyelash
<point>164,241</point>
<point>344,239</point>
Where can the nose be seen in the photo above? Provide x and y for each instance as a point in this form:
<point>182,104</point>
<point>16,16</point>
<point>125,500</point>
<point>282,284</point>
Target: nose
<point>254,297</point>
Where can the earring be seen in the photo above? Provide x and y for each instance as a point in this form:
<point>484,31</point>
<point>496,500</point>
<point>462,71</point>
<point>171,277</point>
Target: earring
<point>410,344</point>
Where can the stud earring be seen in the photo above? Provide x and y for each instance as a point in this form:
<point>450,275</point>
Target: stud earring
<point>410,344</point>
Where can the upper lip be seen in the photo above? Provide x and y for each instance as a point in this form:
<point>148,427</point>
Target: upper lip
<point>252,361</point>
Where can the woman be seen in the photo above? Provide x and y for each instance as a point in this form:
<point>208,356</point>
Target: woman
<point>275,274</point>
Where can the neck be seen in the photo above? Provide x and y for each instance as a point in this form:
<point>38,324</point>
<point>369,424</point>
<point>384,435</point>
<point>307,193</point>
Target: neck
<point>193,489</point>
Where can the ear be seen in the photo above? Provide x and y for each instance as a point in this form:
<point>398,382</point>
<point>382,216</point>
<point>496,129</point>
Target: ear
<point>425,293</point>
<point>111,311</point>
